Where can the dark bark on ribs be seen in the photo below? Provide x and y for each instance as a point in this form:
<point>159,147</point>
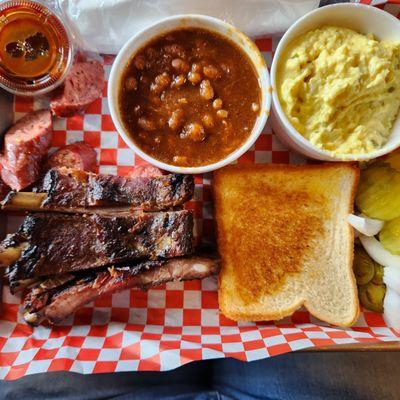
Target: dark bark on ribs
<point>59,243</point>
<point>55,304</point>
<point>65,188</point>
<point>79,190</point>
<point>154,193</point>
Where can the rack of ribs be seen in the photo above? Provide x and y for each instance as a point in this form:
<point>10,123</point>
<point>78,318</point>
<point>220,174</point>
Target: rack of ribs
<point>51,243</point>
<point>55,299</point>
<point>67,190</point>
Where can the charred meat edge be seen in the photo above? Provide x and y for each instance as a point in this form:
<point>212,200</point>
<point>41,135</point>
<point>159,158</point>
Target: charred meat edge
<point>48,244</point>
<point>53,304</point>
<point>66,190</point>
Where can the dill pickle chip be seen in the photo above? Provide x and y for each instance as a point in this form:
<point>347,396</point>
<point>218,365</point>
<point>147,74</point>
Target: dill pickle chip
<point>378,276</point>
<point>389,236</point>
<point>364,266</point>
<point>379,193</point>
<point>371,296</point>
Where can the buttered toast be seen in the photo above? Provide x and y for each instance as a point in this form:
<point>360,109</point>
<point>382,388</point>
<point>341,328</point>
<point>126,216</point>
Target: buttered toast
<point>284,241</point>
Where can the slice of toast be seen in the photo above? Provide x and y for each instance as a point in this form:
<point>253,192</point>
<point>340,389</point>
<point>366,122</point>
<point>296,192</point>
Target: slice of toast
<point>285,242</point>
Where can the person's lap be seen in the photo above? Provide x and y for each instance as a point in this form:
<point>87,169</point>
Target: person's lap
<point>325,376</point>
<point>294,376</point>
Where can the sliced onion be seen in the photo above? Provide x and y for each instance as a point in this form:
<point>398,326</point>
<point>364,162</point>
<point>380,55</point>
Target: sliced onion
<point>391,309</point>
<point>366,226</point>
<point>391,278</point>
<point>378,253</point>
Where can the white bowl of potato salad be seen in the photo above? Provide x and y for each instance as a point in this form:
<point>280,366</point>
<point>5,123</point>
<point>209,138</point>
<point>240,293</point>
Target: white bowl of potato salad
<point>336,84</point>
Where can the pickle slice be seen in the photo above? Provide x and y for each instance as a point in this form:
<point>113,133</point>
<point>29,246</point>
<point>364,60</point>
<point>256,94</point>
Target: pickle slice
<point>371,296</point>
<point>389,236</point>
<point>379,193</point>
<point>378,276</point>
<point>364,266</point>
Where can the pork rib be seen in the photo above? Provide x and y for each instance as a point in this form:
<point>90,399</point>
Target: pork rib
<point>59,243</point>
<point>55,304</point>
<point>79,191</point>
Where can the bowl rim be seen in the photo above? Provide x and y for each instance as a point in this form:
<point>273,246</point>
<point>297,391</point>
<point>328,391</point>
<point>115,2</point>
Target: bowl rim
<point>131,47</point>
<point>287,125</point>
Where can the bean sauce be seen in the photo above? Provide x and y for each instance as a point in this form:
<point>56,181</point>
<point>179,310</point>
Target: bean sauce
<point>189,98</point>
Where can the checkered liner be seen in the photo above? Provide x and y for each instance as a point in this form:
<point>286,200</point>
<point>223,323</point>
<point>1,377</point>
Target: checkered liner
<point>170,325</point>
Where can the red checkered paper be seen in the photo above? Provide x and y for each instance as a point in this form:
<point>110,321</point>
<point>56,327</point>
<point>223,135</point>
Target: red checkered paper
<point>170,325</point>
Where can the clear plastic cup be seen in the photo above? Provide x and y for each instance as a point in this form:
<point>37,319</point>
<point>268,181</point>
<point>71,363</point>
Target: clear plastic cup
<point>36,51</point>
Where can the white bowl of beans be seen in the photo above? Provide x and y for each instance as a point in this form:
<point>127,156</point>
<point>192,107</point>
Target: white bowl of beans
<point>189,94</point>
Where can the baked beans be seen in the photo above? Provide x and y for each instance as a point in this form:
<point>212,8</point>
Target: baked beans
<point>190,97</point>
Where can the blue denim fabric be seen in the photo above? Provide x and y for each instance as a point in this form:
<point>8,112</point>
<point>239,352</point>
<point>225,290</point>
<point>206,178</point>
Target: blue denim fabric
<point>296,376</point>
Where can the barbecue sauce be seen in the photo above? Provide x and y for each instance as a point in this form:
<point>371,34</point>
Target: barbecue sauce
<point>34,47</point>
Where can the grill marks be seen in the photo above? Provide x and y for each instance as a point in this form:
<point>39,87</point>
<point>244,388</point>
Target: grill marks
<point>108,233</point>
<point>88,190</point>
<point>64,188</point>
<point>57,243</point>
<point>78,191</point>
